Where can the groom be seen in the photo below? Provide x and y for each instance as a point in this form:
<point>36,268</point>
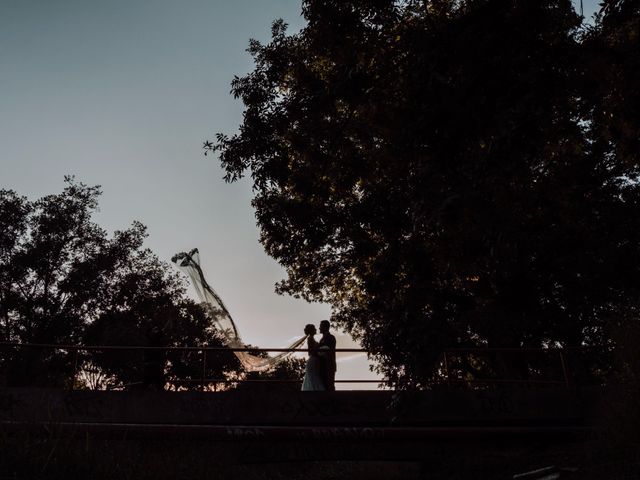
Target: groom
<point>328,370</point>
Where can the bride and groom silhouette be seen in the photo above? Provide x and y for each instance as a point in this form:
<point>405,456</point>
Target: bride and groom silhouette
<point>320,371</point>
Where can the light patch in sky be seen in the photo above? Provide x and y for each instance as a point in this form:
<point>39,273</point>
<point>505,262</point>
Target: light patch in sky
<point>123,94</point>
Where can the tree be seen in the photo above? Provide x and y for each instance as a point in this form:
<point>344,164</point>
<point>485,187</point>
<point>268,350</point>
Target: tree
<point>63,280</point>
<point>447,173</point>
<point>287,374</point>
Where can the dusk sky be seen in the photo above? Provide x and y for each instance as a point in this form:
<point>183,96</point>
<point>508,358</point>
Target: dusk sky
<point>122,93</point>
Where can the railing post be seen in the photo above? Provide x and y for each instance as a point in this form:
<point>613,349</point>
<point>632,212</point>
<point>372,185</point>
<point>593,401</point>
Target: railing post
<point>204,368</point>
<point>75,370</point>
<point>564,369</point>
<point>446,368</point>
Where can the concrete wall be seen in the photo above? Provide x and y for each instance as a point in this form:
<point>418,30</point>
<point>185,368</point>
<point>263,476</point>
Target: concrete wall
<point>500,407</point>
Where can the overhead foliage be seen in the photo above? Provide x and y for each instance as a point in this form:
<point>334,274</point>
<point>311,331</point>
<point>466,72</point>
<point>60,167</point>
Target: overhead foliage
<point>448,173</point>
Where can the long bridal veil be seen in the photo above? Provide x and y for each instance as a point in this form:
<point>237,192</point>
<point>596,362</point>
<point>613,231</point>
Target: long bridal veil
<point>189,263</point>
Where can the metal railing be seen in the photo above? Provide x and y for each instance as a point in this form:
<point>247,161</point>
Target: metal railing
<point>453,368</point>
<point>561,353</point>
<point>76,350</point>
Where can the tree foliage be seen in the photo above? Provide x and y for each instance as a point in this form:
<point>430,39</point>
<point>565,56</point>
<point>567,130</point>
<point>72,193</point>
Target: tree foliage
<point>448,173</point>
<point>63,280</point>
<point>287,374</point>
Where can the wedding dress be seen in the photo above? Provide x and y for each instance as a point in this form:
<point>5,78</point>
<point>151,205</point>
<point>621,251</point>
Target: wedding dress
<point>313,371</point>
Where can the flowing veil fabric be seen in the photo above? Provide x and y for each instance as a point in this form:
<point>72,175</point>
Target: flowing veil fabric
<point>189,263</point>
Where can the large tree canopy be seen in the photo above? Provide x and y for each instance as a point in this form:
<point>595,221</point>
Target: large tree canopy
<point>448,173</point>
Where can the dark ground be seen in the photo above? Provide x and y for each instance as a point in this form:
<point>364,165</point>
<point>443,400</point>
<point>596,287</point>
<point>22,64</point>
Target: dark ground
<point>33,448</point>
<point>24,455</point>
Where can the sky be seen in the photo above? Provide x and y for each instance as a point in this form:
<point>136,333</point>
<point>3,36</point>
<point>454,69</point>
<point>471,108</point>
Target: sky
<point>122,94</point>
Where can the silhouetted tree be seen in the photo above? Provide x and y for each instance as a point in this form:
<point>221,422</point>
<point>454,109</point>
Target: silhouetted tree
<point>448,173</point>
<point>284,375</point>
<point>63,280</point>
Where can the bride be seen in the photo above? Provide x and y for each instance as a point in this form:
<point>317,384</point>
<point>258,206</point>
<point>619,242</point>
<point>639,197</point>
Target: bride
<point>313,371</point>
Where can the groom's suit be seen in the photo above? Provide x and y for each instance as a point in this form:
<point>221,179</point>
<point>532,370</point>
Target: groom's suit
<point>329,361</point>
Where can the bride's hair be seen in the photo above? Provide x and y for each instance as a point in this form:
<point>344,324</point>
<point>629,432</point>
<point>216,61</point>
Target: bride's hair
<point>310,329</point>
